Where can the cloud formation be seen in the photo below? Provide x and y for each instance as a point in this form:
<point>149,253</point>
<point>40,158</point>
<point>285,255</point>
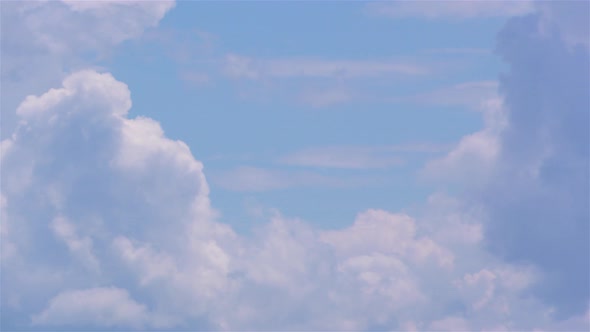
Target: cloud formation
<point>106,223</point>
<point>43,41</point>
<point>528,167</point>
<point>136,244</point>
<point>450,10</point>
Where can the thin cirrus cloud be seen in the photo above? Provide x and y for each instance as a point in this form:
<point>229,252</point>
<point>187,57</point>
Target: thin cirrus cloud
<point>449,9</point>
<point>260,179</point>
<point>242,67</point>
<point>477,96</point>
<point>357,157</point>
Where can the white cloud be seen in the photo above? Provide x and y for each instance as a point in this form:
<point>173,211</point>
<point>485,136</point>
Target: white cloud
<point>142,202</point>
<point>356,157</point>
<point>389,234</point>
<point>237,66</point>
<point>572,18</point>
<point>78,246</point>
<point>342,157</point>
<point>473,95</point>
<point>49,39</point>
<point>475,156</point>
<point>450,324</point>
<point>450,9</point>
<point>326,97</point>
<point>106,307</point>
<point>257,179</point>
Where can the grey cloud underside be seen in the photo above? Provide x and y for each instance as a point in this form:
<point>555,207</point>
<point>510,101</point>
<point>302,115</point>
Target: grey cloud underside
<point>538,197</point>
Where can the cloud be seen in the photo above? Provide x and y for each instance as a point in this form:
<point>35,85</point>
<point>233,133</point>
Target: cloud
<point>347,158</point>
<point>78,246</point>
<point>116,189</point>
<point>539,193</point>
<point>356,157</point>
<point>450,10</point>
<point>257,179</point>
<point>475,156</point>
<point>108,307</point>
<point>241,67</point>
<point>472,95</point>
<point>49,39</point>
<point>570,17</point>
<point>530,163</point>
<point>326,97</point>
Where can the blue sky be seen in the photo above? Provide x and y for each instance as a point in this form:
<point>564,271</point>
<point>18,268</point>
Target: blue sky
<point>295,165</point>
<point>276,115</point>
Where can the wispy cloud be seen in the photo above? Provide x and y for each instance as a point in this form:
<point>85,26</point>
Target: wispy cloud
<point>256,179</point>
<point>474,95</point>
<point>357,157</point>
<point>459,51</point>
<point>328,97</point>
<point>450,9</point>
<point>238,66</point>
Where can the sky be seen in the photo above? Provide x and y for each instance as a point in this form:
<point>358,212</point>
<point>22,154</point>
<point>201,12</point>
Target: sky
<point>284,165</point>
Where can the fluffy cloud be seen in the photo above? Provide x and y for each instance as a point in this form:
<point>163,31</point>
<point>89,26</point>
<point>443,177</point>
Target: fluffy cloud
<point>475,156</point>
<point>110,226</point>
<point>539,192</point>
<point>42,41</point>
<point>531,162</point>
<point>107,307</point>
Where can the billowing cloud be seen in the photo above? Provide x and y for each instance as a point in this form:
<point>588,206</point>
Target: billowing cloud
<point>108,307</point>
<point>475,156</point>
<point>110,226</point>
<point>531,161</point>
<point>539,192</point>
<point>43,41</point>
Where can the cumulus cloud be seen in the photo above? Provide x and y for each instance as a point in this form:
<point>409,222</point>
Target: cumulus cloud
<point>530,163</point>
<point>115,191</point>
<point>107,307</point>
<point>539,192</point>
<point>475,156</point>
<point>43,41</point>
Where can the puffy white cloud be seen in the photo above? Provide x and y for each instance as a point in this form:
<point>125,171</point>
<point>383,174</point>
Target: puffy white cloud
<point>107,307</point>
<point>78,246</point>
<point>476,154</point>
<point>120,195</point>
<point>43,41</point>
